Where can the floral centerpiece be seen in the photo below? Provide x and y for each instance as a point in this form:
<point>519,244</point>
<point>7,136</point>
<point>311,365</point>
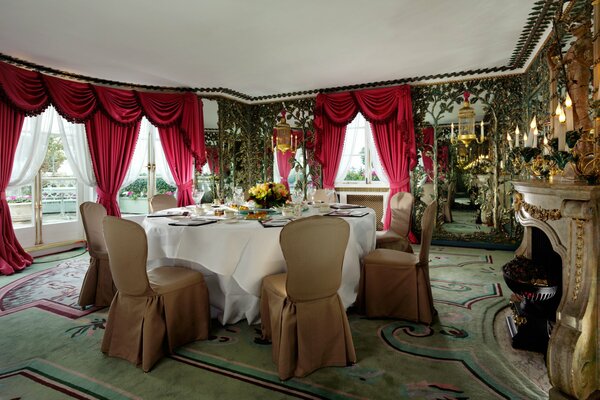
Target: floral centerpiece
<point>269,194</point>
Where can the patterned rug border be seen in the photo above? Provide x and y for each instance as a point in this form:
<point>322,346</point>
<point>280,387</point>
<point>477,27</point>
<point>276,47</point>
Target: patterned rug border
<point>497,293</point>
<point>256,376</point>
<point>43,304</point>
<point>66,381</point>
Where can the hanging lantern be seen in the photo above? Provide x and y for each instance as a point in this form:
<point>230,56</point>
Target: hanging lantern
<point>283,135</point>
<point>466,122</point>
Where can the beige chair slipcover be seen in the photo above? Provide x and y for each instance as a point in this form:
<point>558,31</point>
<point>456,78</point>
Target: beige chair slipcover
<point>447,203</point>
<point>396,284</point>
<point>322,196</point>
<point>396,237</point>
<point>427,194</point>
<point>153,311</point>
<point>161,202</point>
<point>97,288</point>
<point>301,312</point>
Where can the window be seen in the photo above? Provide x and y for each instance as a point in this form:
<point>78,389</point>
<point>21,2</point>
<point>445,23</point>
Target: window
<point>148,173</point>
<point>42,174</point>
<point>359,162</point>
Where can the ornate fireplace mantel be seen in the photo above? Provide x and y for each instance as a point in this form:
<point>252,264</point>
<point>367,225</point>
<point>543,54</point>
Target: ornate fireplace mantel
<point>569,214</point>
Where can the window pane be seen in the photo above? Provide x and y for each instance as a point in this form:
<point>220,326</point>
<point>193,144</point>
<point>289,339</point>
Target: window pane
<point>59,185</point>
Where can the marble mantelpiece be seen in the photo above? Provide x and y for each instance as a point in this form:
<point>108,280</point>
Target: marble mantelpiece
<point>569,214</point>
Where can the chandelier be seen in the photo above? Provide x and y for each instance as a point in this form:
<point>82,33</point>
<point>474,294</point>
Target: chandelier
<point>466,125</point>
<point>283,135</point>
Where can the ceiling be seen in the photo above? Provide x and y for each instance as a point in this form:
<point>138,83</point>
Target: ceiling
<point>265,48</point>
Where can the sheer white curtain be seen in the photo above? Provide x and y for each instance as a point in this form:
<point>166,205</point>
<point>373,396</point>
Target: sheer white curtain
<point>76,148</point>
<point>140,154</point>
<point>32,148</point>
<point>377,167</point>
<point>162,167</point>
<point>353,133</point>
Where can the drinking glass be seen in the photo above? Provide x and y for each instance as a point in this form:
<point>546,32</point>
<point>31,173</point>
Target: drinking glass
<point>239,195</point>
<point>297,196</point>
<point>197,195</point>
<point>311,193</point>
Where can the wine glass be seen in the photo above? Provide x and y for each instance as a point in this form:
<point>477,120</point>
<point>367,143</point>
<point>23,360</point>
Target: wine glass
<point>197,195</point>
<point>331,198</point>
<point>311,193</point>
<point>239,195</point>
<point>297,196</point>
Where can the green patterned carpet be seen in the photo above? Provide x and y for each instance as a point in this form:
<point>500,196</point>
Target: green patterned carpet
<point>51,348</point>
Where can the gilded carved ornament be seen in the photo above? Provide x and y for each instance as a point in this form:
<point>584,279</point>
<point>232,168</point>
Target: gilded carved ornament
<point>536,212</point>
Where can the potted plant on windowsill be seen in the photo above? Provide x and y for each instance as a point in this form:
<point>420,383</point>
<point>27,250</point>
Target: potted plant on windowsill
<point>21,209</point>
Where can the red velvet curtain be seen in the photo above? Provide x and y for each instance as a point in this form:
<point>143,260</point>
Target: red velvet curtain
<point>284,166</point>
<point>30,93</point>
<point>111,149</point>
<point>12,256</point>
<point>212,157</point>
<point>428,149</point>
<point>333,112</point>
<point>389,110</point>
<point>180,163</point>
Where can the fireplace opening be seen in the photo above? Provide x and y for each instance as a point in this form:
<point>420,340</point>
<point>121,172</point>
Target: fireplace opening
<point>536,284</point>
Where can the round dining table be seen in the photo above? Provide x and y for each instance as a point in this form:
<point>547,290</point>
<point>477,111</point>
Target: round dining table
<point>234,256</point>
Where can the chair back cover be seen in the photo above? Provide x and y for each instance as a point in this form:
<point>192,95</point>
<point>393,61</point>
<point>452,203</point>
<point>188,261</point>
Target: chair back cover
<point>427,195</point>
<point>161,202</point>
<point>427,225</point>
<point>401,205</point>
<point>322,195</point>
<point>314,249</point>
<point>127,252</point>
<point>92,215</point>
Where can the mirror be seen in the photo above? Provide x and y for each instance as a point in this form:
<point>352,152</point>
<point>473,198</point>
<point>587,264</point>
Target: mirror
<point>466,174</point>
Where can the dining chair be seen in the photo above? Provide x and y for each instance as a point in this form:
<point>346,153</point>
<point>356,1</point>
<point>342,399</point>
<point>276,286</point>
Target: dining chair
<point>325,196</point>
<point>427,193</point>
<point>301,312</point>
<point>161,202</point>
<point>396,237</point>
<point>396,284</point>
<point>97,288</point>
<point>446,203</point>
<point>153,311</point>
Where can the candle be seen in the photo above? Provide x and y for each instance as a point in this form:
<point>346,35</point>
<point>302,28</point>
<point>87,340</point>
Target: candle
<point>517,136</point>
<point>533,132</point>
<point>569,113</point>
<point>526,140</point>
<point>509,140</point>
<point>546,146</point>
<point>452,132</point>
<point>481,136</point>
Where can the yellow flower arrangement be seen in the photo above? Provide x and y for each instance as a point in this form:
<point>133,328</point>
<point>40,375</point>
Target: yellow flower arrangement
<point>269,194</point>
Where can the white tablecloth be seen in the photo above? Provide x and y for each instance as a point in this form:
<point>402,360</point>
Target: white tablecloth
<point>235,257</point>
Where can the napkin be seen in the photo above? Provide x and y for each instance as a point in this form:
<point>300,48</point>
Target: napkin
<point>340,213</point>
<point>339,206</point>
<point>192,223</point>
